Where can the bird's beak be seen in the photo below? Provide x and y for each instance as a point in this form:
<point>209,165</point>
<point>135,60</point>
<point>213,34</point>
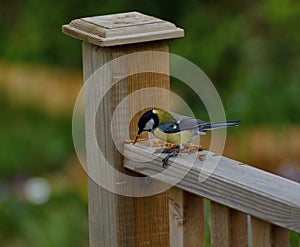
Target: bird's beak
<point>136,138</point>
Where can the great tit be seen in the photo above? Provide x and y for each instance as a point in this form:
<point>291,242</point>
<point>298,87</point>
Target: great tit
<point>176,129</point>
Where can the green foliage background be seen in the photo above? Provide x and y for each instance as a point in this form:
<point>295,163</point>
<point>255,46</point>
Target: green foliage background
<point>249,49</point>
<point>35,143</point>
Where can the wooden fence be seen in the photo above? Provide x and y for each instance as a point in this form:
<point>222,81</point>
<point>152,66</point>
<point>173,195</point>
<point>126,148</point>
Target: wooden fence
<point>174,217</point>
<point>235,190</point>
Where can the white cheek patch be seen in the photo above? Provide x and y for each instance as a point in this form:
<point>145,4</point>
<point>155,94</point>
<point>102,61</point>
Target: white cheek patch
<point>149,124</point>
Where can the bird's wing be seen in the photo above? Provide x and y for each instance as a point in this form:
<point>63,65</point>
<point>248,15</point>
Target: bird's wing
<point>192,124</point>
<point>180,125</point>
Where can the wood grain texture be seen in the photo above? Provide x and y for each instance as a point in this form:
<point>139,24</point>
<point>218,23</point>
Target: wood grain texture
<point>238,228</point>
<point>152,222</point>
<point>260,233</point>
<point>220,225</point>
<point>280,237</point>
<point>105,220</point>
<point>117,220</point>
<point>123,28</point>
<point>186,216</point>
<point>228,226</point>
<point>193,230</point>
<point>238,186</point>
<point>151,213</point>
<point>266,234</point>
<point>176,217</point>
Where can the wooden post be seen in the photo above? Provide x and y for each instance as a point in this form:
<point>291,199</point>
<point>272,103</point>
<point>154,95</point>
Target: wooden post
<point>114,219</point>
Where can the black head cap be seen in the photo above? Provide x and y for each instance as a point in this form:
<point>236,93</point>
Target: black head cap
<point>148,121</point>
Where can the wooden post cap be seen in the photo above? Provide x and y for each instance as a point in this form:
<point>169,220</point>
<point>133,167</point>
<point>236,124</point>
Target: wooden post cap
<point>123,28</point>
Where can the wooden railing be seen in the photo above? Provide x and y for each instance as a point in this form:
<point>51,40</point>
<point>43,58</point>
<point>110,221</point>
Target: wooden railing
<point>234,189</point>
<point>122,54</point>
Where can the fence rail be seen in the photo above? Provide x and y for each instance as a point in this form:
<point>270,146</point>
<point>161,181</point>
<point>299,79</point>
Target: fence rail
<point>235,190</point>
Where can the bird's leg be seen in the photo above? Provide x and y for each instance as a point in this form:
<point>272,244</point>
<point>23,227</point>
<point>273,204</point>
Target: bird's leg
<point>170,155</point>
<point>172,152</point>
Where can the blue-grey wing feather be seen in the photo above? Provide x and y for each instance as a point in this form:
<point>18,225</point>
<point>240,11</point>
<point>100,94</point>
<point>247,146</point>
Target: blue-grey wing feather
<point>180,125</point>
<point>192,123</point>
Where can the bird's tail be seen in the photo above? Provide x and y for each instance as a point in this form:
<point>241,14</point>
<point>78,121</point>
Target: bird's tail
<point>212,126</point>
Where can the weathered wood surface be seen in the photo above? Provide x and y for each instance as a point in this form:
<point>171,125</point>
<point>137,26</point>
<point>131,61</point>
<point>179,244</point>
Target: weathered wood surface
<point>228,226</point>
<point>261,234</point>
<point>220,225</point>
<point>117,220</point>
<point>186,216</point>
<point>119,29</point>
<point>233,184</point>
<point>105,218</point>
<point>266,234</point>
<point>280,237</point>
<point>238,228</point>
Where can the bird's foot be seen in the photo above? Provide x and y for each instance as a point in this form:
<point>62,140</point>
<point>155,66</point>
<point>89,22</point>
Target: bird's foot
<point>172,151</point>
<point>170,155</point>
<point>175,150</point>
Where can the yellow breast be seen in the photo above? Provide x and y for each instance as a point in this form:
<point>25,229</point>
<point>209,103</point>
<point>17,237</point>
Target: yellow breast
<point>180,138</point>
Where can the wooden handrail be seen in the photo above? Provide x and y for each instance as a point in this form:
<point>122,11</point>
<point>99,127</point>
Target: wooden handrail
<point>255,192</point>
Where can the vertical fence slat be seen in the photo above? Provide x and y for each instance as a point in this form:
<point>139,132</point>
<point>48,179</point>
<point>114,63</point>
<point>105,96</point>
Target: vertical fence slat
<point>193,220</point>
<point>220,225</point>
<point>280,237</point>
<point>260,233</point>
<point>228,226</point>
<point>238,228</point>
<point>186,215</point>
<point>266,234</point>
<point>152,220</point>
<point>176,217</point>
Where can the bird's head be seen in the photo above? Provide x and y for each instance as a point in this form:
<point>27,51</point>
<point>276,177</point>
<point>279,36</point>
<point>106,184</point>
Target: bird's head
<point>147,122</point>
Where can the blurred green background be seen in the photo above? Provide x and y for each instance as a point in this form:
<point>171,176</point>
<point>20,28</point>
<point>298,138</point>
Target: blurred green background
<point>250,50</point>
